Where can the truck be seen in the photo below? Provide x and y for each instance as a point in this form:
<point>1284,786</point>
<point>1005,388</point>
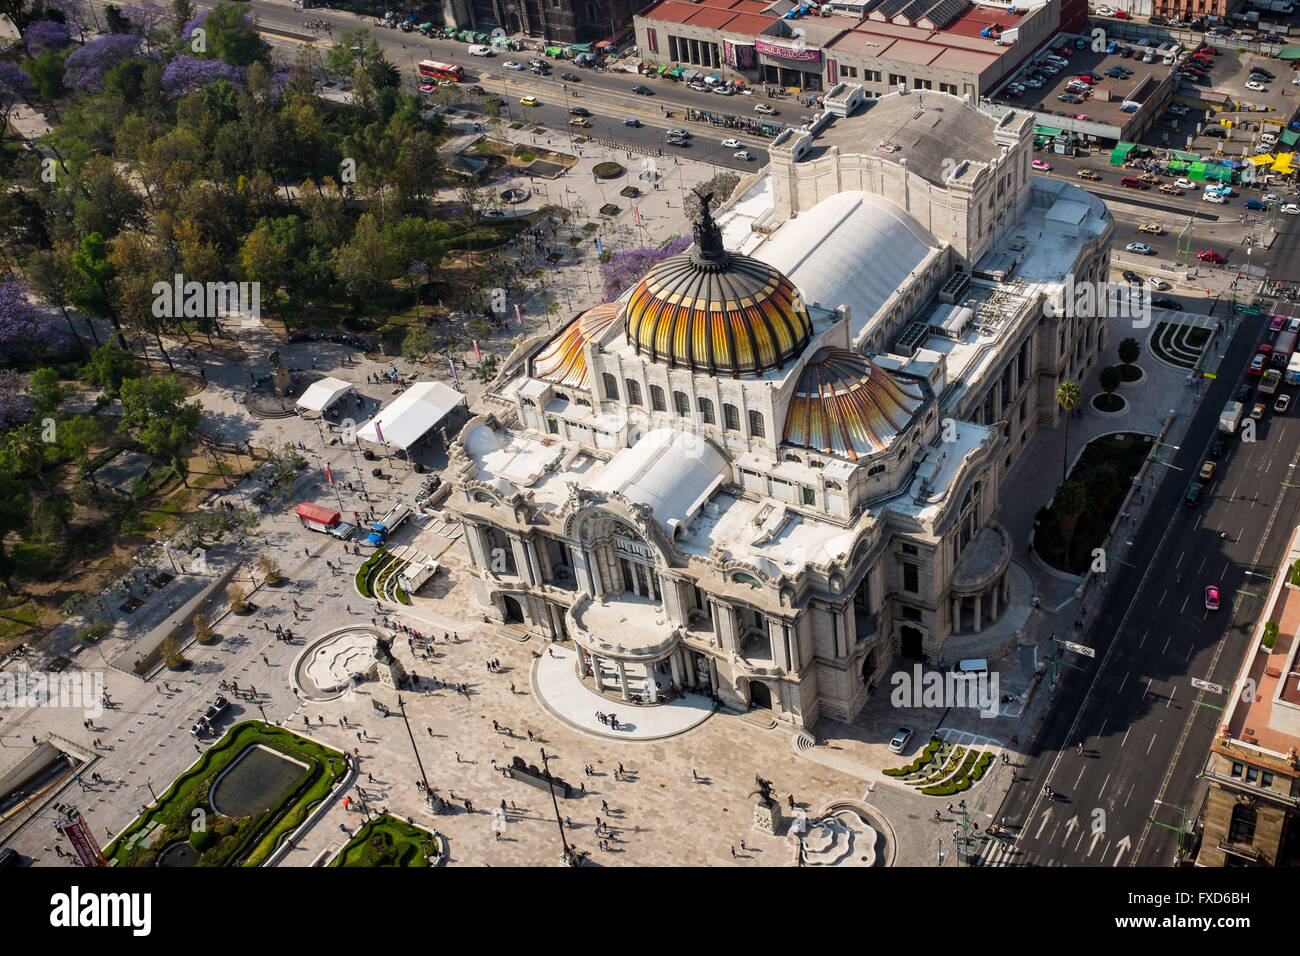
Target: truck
<point>381,529</point>
<point>1269,383</point>
<point>1293,370</point>
<point>415,573</point>
<point>1283,348</point>
<point>1231,418</point>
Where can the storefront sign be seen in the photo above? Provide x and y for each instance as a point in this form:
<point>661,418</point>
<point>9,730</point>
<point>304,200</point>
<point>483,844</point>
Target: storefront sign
<point>798,54</point>
<point>738,56</point>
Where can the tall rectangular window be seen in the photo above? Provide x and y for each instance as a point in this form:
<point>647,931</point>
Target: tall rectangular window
<point>633,392</point>
<point>682,404</point>
<point>652,41</point>
<point>911,577</point>
<point>730,417</point>
<point>611,387</point>
<point>706,412</point>
<point>756,429</point>
<point>657,399</point>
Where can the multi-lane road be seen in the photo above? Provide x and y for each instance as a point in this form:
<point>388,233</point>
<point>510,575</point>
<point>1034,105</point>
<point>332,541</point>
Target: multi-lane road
<point>1144,727</point>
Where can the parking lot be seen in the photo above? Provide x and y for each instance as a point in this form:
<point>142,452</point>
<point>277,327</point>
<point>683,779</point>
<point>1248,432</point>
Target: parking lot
<point>1108,93</point>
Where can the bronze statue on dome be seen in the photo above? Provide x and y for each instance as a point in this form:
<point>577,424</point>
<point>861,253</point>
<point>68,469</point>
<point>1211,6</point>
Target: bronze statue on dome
<point>708,237</point>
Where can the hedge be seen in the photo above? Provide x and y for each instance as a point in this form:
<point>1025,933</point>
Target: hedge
<point>923,758</point>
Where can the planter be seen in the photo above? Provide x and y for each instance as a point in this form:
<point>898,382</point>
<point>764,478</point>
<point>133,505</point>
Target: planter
<point>1120,411</point>
<point>242,609</point>
<point>1137,382</point>
<point>276,582</point>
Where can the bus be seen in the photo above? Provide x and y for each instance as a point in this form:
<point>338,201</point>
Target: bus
<point>432,71</point>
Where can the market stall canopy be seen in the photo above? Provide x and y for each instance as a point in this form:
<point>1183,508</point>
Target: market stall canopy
<point>408,419</point>
<point>321,395</point>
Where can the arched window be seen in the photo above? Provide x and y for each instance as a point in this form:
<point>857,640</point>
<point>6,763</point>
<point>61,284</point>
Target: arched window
<point>756,424</point>
<point>633,392</point>
<point>730,417</point>
<point>611,387</point>
<point>657,399</point>
<point>706,412</point>
<point>682,404</point>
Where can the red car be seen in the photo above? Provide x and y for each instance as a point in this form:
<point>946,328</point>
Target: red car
<point>1210,49</point>
<point>1209,255</point>
<point>1211,598</point>
<point>1277,323</point>
<point>1121,15</point>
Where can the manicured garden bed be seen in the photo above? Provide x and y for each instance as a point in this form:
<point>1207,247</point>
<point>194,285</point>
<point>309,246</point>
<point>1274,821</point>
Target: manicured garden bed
<point>229,841</point>
<point>388,841</point>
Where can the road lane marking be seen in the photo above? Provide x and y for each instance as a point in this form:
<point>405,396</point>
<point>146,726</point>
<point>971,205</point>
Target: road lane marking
<point>1172,694</point>
<point>1126,673</point>
<point>1165,650</point>
<point>1105,783</point>
<point>1152,744</point>
<point>1125,740</point>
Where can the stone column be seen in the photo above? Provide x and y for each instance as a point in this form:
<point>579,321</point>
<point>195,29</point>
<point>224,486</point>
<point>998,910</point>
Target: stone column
<point>582,658</point>
<point>671,600</point>
<point>688,662</point>
<point>676,665</point>
<point>993,596</point>
<point>979,611</point>
<point>596,674</point>
<point>622,679</point>
<point>650,586</point>
<point>956,615</point>
<point>636,578</point>
<point>1006,588</point>
<point>593,569</point>
<point>713,675</point>
<point>651,693</point>
<point>522,567</point>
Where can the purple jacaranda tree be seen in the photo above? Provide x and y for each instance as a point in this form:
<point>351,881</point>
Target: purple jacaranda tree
<point>193,24</point>
<point>79,15</point>
<point>87,66</point>
<point>46,36</point>
<point>185,73</point>
<point>14,404</point>
<point>23,329</point>
<point>625,268</point>
<point>14,85</point>
<point>147,17</point>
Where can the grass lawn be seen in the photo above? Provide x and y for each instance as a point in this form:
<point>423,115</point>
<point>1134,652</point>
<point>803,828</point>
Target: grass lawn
<point>226,841</point>
<point>1123,455</point>
<point>387,841</point>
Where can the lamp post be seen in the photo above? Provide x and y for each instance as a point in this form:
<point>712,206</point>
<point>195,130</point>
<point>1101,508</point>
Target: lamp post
<point>570,858</point>
<point>428,792</point>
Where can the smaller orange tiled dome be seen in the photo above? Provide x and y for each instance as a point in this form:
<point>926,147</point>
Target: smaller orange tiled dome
<point>563,361</point>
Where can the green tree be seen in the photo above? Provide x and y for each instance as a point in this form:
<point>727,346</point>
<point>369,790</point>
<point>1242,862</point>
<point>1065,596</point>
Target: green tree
<point>25,446</point>
<point>1109,379</point>
<point>47,72</point>
<point>1102,482</point>
<point>1129,352</point>
<point>233,37</point>
<point>54,278</point>
<point>1069,502</point>
<point>46,392</point>
<point>1068,397</point>
<point>15,514</point>
<point>92,274</point>
<point>157,407</point>
<point>77,435</point>
<point>109,367</point>
<point>419,343</point>
<point>182,13</point>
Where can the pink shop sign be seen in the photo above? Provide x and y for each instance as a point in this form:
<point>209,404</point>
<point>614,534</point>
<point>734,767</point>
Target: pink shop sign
<point>803,55</point>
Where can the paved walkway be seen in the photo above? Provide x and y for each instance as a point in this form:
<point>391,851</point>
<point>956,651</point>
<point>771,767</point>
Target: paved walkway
<point>560,692</point>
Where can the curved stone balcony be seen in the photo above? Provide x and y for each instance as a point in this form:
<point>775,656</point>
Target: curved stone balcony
<point>983,561</point>
<point>629,628</point>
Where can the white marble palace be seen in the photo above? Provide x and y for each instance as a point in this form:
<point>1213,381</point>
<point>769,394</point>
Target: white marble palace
<point>770,467</point>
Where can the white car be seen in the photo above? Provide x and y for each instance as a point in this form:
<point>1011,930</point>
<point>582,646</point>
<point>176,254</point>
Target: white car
<point>1291,209</point>
<point>764,108</point>
<point>1036,84</point>
<point>1185,184</point>
<point>1215,198</point>
<point>512,65</point>
<point>1159,284</point>
<point>742,154</point>
<point>1271,197</point>
<point>1141,248</point>
<point>898,743</point>
<point>683,133</point>
<point>731,144</point>
<point>1178,109</point>
<point>1257,87</point>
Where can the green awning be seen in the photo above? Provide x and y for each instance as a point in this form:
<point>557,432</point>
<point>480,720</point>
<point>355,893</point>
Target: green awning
<point>426,26</point>
<point>553,51</point>
<point>1187,157</point>
<point>1289,53</point>
<point>1047,131</point>
<point>676,71</point>
<point>579,47</point>
<point>1221,173</point>
<point>1176,167</point>
<point>1289,137</point>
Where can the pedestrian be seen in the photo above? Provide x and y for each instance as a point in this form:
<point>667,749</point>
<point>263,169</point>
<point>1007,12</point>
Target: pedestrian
<point>733,852</point>
<point>265,661</point>
<point>306,722</point>
<point>457,756</point>
<point>950,808</point>
<point>512,687</point>
<point>358,736</point>
<point>936,815</point>
<point>343,828</point>
<point>430,730</point>
<point>742,845</point>
<point>306,552</point>
<point>604,807</point>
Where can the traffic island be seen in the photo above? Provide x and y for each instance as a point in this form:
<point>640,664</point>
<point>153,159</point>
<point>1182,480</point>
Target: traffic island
<point>389,841</point>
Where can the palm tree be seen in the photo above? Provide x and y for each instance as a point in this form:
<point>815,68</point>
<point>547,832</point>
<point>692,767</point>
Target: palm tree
<point>1068,397</point>
<point>1070,500</point>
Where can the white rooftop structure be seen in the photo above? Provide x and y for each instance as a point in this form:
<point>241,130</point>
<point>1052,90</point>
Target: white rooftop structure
<point>408,419</point>
<point>671,471</point>
<point>321,395</point>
